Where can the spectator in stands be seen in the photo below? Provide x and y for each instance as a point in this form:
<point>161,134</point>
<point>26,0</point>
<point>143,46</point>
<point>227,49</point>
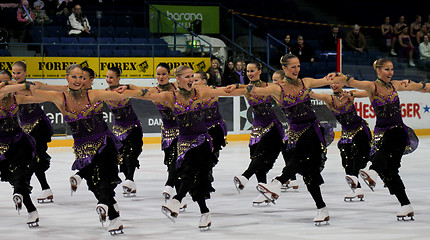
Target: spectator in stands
<point>215,74</point>
<point>387,31</point>
<point>240,73</point>
<point>428,23</point>
<point>78,23</point>
<point>64,7</point>
<point>229,73</point>
<point>40,16</point>
<point>406,46</point>
<point>424,49</point>
<point>331,38</point>
<point>286,49</point>
<point>25,17</point>
<point>355,40</point>
<point>304,51</point>
<point>421,33</point>
<point>415,27</point>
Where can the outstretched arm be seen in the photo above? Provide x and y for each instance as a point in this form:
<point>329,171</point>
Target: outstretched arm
<point>321,96</point>
<point>14,88</point>
<point>271,90</point>
<point>408,85</point>
<point>46,87</point>
<point>103,95</point>
<point>209,92</point>
<point>40,96</point>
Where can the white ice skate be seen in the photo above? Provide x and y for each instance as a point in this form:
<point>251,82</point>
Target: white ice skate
<point>352,181</point>
<point>270,190</point>
<point>369,177</point>
<point>322,216</point>
<point>129,188</point>
<point>102,211</point>
<point>290,184</point>
<point>75,180</point>
<point>205,222</point>
<point>168,192</point>
<point>46,196</point>
<point>240,182</point>
<point>358,193</point>
<point>33,219</point>
<point>115,226</point>
<point>260,201</point>
<point>17,199</point>
<point>406,213</point>
<point>171,209</point>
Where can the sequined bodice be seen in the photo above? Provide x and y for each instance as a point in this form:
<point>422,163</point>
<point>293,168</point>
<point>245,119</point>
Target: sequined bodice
<point>262,107</point>
<point>297,109</point>
<point>210,109</point>
<point>387,108</point>
<point>122,110</point>
<point>346,114</point>
<point>9,124</point>
<point>189,116</point>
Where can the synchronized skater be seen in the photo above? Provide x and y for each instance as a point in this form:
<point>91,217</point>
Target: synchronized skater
<point>193,133</point>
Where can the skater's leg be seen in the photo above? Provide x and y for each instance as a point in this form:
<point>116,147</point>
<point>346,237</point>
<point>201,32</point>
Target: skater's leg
<point>28,203</point>
<point>202,205</point>
<point>315,192</point>
<point>41,176</point>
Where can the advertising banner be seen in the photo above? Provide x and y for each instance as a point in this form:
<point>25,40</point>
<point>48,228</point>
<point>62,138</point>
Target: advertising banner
<point>55,67</point>
<point>185,15</point>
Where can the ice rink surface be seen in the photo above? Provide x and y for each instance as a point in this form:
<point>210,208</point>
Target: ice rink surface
<point>233,216</point>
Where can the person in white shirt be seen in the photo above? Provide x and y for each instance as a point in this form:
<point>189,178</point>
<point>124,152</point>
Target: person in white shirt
<point>424,49</point>
<point>78,23</point>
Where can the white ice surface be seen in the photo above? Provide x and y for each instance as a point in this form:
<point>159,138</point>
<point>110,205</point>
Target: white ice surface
<point>233,216</point>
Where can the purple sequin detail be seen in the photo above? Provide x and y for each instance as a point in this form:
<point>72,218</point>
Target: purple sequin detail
<point>199,141</point>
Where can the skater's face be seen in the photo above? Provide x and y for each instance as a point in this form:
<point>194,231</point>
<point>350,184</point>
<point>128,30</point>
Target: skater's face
<point>18,73</point>
<point>385,72</point>
<point>292,68</point>
<point>185,79</point>
<point>252,72</point>
<point>75,78</point>
<point>163,75</point>
<point>112,78</point>
<point>336,87</point>
<point>198,80</point>
<point>87,80</point>
<point>276,78</point>
<point>4,78</point>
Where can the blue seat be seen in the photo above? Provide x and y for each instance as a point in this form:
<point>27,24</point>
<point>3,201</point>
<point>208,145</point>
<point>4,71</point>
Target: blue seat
<point>106,53</point>
<point>67,53</point>
<point>139,40</point>
<point>70,40</point>
<point>140,32</point>
<point>51,40</point>
<point>105,40</point>
<point>140,53</point>
<point>52,50</point>
<point>307,70</point>
<point>122,40</point>
<point>87,40</point>
<point>121,53</point>
<point>5,52</point>
<point>87,53</point>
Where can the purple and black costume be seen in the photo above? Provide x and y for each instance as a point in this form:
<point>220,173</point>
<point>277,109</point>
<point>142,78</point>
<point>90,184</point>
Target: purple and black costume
<point>391,139</point>
<point>354,142</point>
<point>265,143</point>
<point>215,124</point>
<point>128,130</point>
<point>96,152</point>
<point>17,150</point>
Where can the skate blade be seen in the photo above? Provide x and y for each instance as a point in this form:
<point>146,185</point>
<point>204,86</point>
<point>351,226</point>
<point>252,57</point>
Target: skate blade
<point>205,228</point>
<point>348,199</point>
<point>261,204</point>
<point>45,200</point>
<point>169,214</point>
<point>128,194</point>
<point>369,182</point>
<point>351,183</point>
<point>33,224</point>
<point>118,231</point>
<point>265,191</point>
<point>321,223</point>
<point>238,185</point>
<point>408,217</point>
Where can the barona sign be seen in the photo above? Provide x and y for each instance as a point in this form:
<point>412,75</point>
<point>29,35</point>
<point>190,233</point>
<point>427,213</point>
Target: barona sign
<point>184,16</point>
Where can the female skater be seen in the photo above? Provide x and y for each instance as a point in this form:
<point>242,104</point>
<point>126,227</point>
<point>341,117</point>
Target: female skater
<point>266,135</point>
<point>306,139</point>
<point>17,148</point>
<point>128,129</point>
<point>195,161</point>
<point>35,123</point>
<point>95,147</point>
<point>391,137</point>
<point>354,142</point>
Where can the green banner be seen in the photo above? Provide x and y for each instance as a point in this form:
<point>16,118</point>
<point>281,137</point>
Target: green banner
<point>185,15</point>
